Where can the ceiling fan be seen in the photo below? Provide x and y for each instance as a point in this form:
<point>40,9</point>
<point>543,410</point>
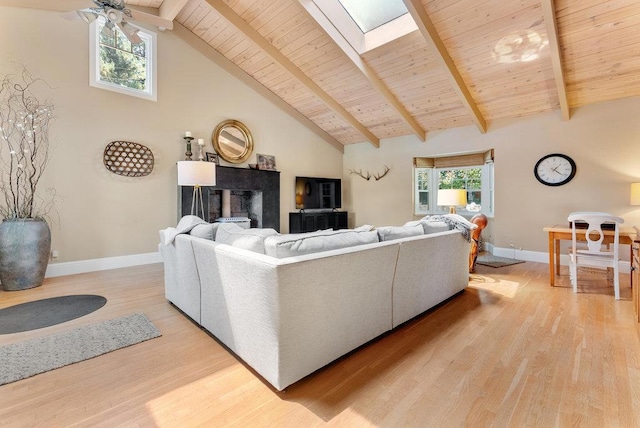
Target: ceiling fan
<point>117,15</point>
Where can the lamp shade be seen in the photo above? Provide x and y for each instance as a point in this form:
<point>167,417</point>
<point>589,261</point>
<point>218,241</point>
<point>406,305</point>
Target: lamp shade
<point>635,194</point>
<point>452,197</point>
<point>196,173</point>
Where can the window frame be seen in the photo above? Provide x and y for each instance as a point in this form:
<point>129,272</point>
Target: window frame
<point>433,172</point>
<point>150,38</point>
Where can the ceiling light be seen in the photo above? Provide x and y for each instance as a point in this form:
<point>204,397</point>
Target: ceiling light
<point>87,17</point>
<point>107,30</point>
<point>114,15</point>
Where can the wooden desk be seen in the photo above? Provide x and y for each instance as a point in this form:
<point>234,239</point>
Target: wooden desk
<point>561,232</point>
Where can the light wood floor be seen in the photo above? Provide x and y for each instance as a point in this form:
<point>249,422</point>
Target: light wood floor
<point>508,351</point>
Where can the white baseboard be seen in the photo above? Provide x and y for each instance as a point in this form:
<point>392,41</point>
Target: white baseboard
<point>540,257</point>
<point>93,265</point>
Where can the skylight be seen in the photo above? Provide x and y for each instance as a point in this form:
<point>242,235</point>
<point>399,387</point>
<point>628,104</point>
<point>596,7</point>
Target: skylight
<point>371,14</point>
<point>363,24</point>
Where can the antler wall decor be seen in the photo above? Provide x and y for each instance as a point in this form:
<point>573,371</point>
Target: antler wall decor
<point>368,175</point>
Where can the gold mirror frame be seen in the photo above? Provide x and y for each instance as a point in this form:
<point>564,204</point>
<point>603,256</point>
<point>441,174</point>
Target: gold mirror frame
<point>230,133</point>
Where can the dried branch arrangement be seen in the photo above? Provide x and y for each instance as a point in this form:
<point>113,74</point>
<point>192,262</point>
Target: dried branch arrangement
<point>24,146</point>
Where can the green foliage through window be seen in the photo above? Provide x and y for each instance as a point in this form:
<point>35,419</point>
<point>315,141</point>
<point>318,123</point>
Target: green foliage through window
<point>121,62</point>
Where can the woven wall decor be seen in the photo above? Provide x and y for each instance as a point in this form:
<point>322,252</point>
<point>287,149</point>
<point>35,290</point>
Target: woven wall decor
<point>128,159</point>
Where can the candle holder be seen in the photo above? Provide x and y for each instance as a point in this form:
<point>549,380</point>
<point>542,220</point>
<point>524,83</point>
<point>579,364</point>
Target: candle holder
<point>201,147</point>
<point>188,152</point>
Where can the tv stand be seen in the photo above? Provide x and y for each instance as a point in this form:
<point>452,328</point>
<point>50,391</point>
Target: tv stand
<point>303,221</point>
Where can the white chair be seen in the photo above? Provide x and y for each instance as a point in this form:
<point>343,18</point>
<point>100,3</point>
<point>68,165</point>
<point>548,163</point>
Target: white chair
<point>594,254</point>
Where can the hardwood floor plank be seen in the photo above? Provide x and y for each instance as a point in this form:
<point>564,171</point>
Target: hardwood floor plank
<point>508,351</point>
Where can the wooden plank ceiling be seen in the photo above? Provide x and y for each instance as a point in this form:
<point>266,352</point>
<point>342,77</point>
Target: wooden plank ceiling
<point>469,62</point>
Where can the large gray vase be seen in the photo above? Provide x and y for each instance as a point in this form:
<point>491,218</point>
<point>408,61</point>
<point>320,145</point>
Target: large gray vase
<point>24,253</point>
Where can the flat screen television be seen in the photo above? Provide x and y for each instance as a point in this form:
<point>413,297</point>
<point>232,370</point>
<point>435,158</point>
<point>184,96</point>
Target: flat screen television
<point>318,193</point>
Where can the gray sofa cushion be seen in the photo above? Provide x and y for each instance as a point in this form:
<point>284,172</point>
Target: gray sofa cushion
<point>389,233</point>
<point>206,231</point>
<point>185,225</point>
<point>248,239</point>
<point>433,226</point>
<point>314,242</point>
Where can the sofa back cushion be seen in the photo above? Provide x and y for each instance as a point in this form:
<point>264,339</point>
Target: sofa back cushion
<point>314,242</point>
<point>206,231</point>
<point>433,226</point>
<point>389,233</point>
<point>248,239</point>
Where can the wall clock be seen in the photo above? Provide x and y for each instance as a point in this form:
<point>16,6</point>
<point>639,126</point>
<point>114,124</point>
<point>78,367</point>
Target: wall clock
<point>555,169</point>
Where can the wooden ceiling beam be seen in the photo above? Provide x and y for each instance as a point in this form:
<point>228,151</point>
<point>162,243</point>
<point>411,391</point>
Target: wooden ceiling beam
<point>314,11</point>
<point>151,14</point>
<point>53,5</point>
<point>169,9</point>
<point>426,27</point>
<point>549,13</point>
<point>227,13</point>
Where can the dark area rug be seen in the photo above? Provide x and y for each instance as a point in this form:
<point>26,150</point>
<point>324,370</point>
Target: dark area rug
<point>31,357</point>
<point>47,312</point>
<point>496,262</point>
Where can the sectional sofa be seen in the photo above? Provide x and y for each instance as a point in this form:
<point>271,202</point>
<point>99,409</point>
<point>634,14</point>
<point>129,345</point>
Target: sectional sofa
<point>290,304</point>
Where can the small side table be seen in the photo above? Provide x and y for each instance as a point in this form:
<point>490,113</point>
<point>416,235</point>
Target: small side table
<point>481,221</point>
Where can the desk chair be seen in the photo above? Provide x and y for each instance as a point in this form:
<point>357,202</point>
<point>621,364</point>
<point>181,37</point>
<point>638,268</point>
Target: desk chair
<point>594,255</point>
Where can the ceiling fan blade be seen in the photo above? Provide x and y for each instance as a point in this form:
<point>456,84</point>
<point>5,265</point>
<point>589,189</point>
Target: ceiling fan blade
<point>130,31</point>
<point>70,16</point>
<point>147,18</point>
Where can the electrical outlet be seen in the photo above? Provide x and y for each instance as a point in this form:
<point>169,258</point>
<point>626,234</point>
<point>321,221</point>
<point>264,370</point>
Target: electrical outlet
<point>55,255</point>
<point>512,245</point>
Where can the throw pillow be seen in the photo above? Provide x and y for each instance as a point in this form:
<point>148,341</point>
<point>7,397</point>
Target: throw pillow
<point>389,233</point>
<point>432,225</point>
<point>185,225</point>
<point>248,239</point>
<point>206,231</point>
<point>314,242</point>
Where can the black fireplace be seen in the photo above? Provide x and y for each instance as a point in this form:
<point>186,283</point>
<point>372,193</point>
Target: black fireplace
<point>254,194</point>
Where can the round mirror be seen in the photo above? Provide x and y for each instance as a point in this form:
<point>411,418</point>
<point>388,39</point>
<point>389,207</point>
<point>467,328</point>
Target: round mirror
<point>232,141</point>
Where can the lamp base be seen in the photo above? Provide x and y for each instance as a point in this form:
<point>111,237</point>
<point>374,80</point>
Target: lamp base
<point>452,210</point>
<point>195,199</point>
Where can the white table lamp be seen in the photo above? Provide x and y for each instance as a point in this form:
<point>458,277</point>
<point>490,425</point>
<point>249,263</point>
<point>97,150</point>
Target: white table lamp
<point>196,174</point>
<point>452,198</point>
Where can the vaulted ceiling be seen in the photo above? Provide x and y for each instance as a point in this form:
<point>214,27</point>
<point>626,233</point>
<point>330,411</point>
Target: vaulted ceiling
<point>469,61</point>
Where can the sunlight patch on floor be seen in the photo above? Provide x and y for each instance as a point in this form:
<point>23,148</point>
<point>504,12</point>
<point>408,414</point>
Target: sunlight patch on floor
<point>497,286</point>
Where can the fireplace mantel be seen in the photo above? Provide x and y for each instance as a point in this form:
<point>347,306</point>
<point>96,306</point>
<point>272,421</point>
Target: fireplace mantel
<point>256,190</point>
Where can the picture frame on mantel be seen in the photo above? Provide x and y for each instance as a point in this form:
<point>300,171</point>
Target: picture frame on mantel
<point>266,162</point>
<point>212,157</point>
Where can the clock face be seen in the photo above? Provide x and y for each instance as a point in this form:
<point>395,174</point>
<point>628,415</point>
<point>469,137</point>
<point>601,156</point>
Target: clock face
<point>555,169</point>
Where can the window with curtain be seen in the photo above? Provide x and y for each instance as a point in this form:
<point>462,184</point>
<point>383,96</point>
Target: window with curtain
<point>472,172</point>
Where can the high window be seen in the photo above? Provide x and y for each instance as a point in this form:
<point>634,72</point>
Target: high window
<point>118,65</point>
<point>471,172</point>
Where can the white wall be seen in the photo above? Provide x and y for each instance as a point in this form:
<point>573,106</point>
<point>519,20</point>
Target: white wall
<point>104,215</point>
<point>603,139</point>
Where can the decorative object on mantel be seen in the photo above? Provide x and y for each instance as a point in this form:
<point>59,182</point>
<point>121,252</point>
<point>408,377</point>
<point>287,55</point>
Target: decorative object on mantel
<point>128,159</point>
<point>368,175</point>
<point>212,157</point>
<point>188,138</point>
<point>233,141</point>
<point>196,174</point>
<point>266,162</point>
<point>25,237</point>
<point>200,149</point>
